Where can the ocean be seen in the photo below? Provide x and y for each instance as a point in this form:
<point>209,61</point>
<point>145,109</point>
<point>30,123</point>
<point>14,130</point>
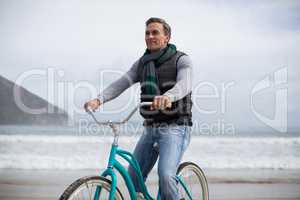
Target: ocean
<point>38,147</point>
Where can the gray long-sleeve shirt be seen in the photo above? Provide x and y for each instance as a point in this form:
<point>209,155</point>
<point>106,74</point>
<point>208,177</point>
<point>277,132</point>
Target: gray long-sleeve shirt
<point>182,87</point>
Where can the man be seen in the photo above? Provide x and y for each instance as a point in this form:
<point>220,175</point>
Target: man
<point>165,77</point>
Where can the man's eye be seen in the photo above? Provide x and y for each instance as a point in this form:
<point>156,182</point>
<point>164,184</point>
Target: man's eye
<point>147,33</point>
<point>155,32</point>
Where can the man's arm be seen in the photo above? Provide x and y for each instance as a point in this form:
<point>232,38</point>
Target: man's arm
<point>120,85</point>
<point>184,80</point>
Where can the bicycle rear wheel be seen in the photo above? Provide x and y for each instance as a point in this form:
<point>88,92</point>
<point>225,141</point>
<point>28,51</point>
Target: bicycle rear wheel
<point>194,180</point>
<point>85,189</point>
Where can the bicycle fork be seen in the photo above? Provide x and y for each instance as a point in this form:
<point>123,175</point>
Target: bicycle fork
<point>109,172</point>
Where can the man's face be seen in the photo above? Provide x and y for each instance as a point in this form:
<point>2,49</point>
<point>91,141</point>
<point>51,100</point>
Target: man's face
<point>155,37</point>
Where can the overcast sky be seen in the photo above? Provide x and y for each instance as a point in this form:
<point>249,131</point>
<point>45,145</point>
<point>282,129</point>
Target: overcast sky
<point>240,42</point>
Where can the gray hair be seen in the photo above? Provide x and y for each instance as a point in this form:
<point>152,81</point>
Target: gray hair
<point>167,28</point>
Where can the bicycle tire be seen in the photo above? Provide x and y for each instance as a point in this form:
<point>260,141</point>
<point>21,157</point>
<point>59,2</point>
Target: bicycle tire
<point>76,187</point>
<point>195,181</point>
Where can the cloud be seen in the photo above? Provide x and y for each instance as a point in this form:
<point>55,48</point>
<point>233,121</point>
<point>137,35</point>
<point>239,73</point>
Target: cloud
<point>241,40</point>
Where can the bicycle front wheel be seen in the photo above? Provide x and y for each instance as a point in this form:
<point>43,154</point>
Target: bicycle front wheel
<point>86,189</point>
<point>196,186</point>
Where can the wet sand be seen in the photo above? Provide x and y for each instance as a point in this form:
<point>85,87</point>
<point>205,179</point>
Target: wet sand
<point>224,184</point>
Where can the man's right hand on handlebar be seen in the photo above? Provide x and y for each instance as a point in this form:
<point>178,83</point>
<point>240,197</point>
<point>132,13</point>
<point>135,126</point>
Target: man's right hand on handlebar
<point>92,104</point>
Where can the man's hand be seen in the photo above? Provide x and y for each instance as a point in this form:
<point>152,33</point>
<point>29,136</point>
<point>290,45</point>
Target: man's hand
<point>92,104</point>
<point>161,102</point>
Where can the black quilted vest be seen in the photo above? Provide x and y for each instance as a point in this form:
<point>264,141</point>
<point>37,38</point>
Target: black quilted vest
<point>181,111</point>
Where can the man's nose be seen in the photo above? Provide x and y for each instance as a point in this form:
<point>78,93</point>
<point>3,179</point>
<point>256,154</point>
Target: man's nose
<point>151,36</point>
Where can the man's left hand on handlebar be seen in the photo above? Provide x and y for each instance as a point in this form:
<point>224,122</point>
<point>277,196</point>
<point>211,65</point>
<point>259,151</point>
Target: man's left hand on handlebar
<point>161,102</point>
<point>92,104</point>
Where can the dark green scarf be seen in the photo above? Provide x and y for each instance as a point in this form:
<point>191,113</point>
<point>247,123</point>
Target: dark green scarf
<point>151,60</point>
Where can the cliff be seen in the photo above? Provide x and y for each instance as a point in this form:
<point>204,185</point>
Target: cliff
<point>11,113</point>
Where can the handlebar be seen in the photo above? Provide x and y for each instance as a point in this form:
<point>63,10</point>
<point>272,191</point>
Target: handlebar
<point>111,123</point>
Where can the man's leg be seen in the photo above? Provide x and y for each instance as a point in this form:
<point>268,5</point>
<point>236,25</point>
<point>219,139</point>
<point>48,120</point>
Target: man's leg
<point>172,143</point>
<point>145,154</point>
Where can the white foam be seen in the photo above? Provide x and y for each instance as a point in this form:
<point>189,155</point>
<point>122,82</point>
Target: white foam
<point>82,152</point>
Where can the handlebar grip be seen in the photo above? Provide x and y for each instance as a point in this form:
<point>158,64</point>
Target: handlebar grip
<point>145,104</point>
<point>88,109</point>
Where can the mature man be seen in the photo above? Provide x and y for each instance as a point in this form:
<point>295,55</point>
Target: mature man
<point>165,77</point>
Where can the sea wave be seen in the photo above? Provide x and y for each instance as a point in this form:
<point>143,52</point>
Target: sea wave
<point>89,152</point>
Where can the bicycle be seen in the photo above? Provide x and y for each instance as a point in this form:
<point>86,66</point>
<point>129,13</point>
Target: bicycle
<point>191,179</point>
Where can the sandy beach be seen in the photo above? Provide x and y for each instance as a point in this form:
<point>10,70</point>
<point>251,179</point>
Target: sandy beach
<point>223,184</point>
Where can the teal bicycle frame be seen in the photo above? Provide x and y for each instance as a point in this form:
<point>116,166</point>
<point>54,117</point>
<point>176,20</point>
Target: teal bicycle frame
<point>114,164</point>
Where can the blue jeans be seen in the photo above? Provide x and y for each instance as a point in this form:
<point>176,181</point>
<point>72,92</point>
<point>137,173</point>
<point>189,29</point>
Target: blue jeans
<point>169,143</point>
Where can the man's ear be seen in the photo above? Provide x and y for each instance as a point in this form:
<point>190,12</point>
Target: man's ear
<point>168,38</point>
